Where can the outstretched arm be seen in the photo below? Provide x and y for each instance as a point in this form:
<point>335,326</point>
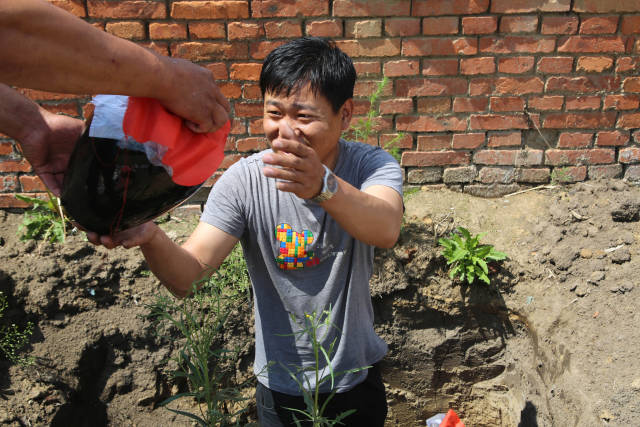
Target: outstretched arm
<point>44,47</point>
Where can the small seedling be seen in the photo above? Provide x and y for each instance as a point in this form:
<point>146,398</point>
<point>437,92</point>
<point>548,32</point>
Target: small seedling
<point>44,221</point>
<point>13,339</point>
<point>467,258</point>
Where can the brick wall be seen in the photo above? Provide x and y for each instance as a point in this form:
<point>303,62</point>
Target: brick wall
<point>492,94</point>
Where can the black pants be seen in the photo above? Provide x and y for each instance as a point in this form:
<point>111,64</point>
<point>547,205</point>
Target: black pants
<point>367,398</point>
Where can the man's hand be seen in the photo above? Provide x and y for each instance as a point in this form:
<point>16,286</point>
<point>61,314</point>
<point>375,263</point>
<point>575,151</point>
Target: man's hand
<point>136,236</point>
<point>194,96</point>
<point>300,171</point>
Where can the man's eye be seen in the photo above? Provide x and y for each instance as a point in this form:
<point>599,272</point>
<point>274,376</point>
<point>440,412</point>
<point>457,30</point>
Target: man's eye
<point>273,112</point>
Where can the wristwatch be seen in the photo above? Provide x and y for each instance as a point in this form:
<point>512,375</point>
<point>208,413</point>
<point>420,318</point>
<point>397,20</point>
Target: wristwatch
<point>329,187</point>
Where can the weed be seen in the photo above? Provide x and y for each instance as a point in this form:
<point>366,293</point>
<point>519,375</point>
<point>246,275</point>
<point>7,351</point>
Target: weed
<point>201,320</point>
<point>561,176</point>
<point>317,326</point>
<point>45,220</point>
<point>467,258</point>
<point>12,339</point>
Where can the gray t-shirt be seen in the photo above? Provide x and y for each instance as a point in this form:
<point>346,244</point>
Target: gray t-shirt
<point>300,261</point>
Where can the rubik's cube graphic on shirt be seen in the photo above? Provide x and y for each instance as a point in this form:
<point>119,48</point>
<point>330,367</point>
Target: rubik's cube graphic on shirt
<point>293,248</point>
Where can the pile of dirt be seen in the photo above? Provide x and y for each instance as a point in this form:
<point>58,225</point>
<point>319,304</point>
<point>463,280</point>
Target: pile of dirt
<point>550,342</point>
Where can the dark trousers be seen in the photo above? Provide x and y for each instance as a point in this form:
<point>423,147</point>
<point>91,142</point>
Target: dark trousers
<point>367,398</point>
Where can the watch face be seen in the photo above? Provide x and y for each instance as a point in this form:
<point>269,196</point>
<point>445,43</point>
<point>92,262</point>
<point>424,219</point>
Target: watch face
<point>332,183</point>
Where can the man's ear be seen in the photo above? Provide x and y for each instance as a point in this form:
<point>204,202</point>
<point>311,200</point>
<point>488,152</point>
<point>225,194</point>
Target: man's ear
<point>346,113</point>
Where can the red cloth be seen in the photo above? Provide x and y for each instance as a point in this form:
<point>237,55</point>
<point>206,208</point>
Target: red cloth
<point>451,420</point>
<point>193,157</point>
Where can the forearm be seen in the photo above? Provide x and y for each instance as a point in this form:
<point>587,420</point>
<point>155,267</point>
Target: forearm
<point>366,217</point>
<point>19,116</point>
<point>36,38</point>
<point>173,265</point>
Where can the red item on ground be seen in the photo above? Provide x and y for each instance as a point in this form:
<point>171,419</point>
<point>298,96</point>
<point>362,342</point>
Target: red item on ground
<point>193,157</point>
<point>451,420</point>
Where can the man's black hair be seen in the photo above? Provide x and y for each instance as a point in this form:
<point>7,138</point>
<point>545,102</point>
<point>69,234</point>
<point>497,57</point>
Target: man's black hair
<point>309,60</point>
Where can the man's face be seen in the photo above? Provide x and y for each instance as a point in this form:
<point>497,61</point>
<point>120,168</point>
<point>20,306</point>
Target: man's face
<point>305,117</point>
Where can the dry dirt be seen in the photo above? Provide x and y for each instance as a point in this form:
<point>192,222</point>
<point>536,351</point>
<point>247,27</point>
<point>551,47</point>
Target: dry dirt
<point>553,341</point>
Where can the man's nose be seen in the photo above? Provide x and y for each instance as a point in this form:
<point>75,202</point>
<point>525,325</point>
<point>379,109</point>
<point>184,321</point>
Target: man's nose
<point>286,129</point>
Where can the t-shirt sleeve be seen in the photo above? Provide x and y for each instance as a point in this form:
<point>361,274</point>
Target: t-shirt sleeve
<point>380,168</point>
<point>225,207</point>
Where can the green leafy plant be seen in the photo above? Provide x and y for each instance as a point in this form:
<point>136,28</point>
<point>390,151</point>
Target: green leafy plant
<point>467,258</point>
<point>45,220</point>
<point>317,326</point>
<point>561,176</point>
<point>363,128</point>
<point>201,320</point>
<point>13,339</point>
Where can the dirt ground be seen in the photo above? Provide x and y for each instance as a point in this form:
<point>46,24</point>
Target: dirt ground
<point>553,341</point>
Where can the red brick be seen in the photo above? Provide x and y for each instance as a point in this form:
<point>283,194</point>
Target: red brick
<point>168,31</point>
<point>599,25</point>
<point>255,127</point>
<point>630,24</point>
<point>440,25</point>
<point>481,65</point>
<point>370,48</point>
<point>629,121</point>
<point>517,44</point>
<point>583,103</point>
<point>614,138</point>
<point>591,44</point>
<point>386,141</point>
<point>230,90</point>
<point>367,87</point>
<point>440,46</point>
<point>283,29</point>
<point>207,51</point>
<point>140,9</point>
<point>161,48</point>
<point>481,86</point>
<point>403,67</point>
<point>15,166</point>
<point>605,171</point>
<point>219,9</point>
<point>245,30</point>
<point>470,105</point>
<point>219,70</point>
<point>430,124</point>
<point>251,91</point>
<point>74,7</point>
<point>6,148</point>
<point>583,84</point>
<point>325,28</point>
<point>396,106</point>
<point>434,105</point>
<point>440,67</point>
<point>367,68</point>
<point>260,50</point>
<point>575,140</point>
<point>252,144</point>
<point>249,71</point>
<point>229,160</point>
<point>591,156</point>
<point>68,108</point>
<point>467,141</point>
<point>588,120</point>
<point>526,6</point>
<point>371,7</point>
<point>39,95</point>
<point>32,184</point>
<point>434,142</point>
<point>496,157</point>
<point>209,30</point>
<point>508,103</point>
<point>518,24</point>
<point>548,103</point>
<point>496,175</point>
<point>594,64</point>
<point>516,65</point>
<point>573,174</point>
<point>629,155</point>
<point>605,6</point>
<point>497,122</point>
<point>559,25</point>
<point>621,102</point>
<point>10,201</point>
<point>555,65</point>
<point>631,84</point>
<point>518,85</point>
<point>126,30</point>
<point>402,27</point>
<point>479,24</point>
<point>434,158</point>
<point>511,139</point>
<point>431,87</point>
<point>362,29</point>
<point>8,183</point>
<point>533,176</point>
<point>449,7</point>
<point>625,64</point>
<point>291,8</point>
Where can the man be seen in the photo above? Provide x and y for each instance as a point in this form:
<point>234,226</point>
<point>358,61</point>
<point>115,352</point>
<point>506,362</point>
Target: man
<point>308,213</point>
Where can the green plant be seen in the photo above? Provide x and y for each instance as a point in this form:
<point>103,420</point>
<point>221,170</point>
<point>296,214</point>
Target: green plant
<point>467,258</point>
<point>13,339</point>
<point>45,220</point>
<point>561,176</point>
<point>317,326</point>
<point>201,320</point>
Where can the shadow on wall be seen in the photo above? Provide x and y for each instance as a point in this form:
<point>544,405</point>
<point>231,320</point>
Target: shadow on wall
<point>528,416</point>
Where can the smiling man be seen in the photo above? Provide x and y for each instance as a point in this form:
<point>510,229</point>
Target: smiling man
<point>308,213</point>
